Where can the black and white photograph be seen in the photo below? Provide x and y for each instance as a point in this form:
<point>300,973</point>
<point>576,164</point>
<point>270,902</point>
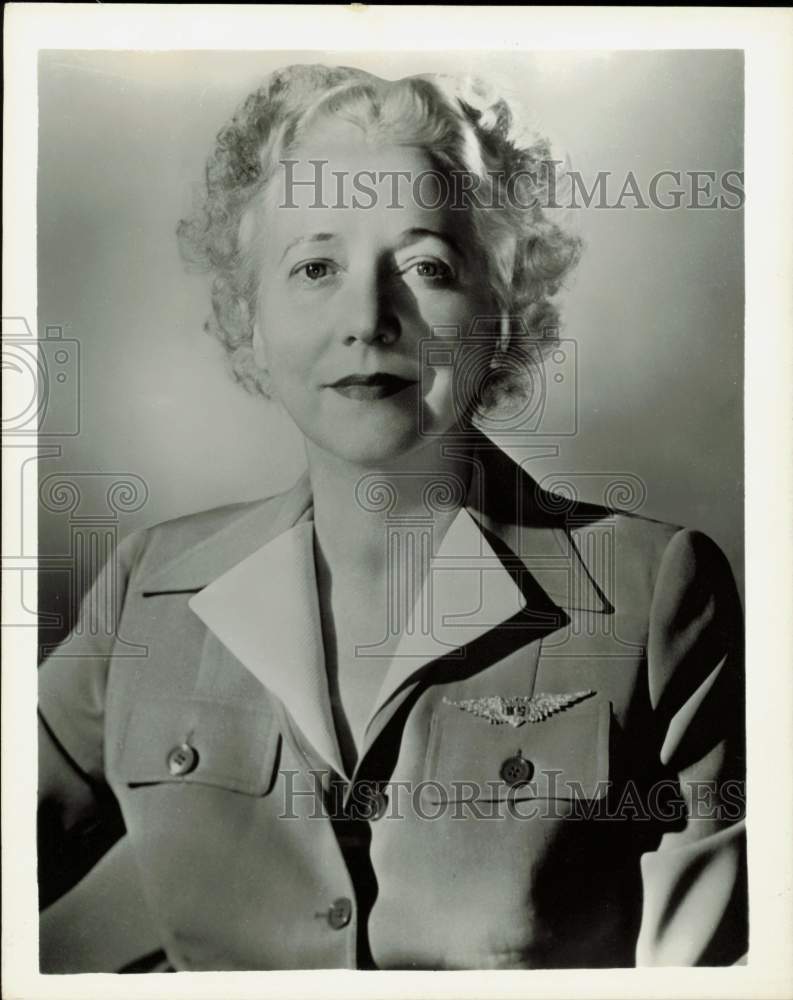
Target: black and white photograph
<point>383,414</point>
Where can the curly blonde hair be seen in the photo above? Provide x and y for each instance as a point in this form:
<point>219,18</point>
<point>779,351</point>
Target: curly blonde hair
<point>460,125</point>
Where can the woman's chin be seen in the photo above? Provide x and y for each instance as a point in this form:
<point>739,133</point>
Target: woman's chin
<point>367,449</point>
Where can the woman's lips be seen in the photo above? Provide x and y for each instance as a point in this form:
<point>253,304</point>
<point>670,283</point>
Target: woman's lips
<point>368,387</point>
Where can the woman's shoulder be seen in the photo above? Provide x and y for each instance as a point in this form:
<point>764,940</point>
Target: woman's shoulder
<point>553,505</point>
<point>558,525</point>
<point>205,522</point>
<point>634,540</point>
<point>213,538</point>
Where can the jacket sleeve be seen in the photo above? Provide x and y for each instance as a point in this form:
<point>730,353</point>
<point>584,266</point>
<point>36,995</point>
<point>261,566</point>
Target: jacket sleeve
<point>695,894</point>
<point>78,817</point>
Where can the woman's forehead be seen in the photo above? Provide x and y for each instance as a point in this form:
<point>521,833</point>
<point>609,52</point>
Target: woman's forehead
<point>393,229</point>
<point>349,161</point>
<point>349,191</point>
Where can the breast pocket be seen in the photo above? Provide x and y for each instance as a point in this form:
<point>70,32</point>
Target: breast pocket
<point>565,756</point>
<point>198,741</point>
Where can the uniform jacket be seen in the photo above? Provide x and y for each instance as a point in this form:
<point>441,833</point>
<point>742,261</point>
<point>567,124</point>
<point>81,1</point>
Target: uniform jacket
<point>188,743</point>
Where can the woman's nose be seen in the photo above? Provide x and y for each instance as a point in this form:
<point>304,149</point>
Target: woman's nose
<point>368,315</point>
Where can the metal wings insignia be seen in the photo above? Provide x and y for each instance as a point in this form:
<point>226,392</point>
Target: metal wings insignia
<point>516,710</point>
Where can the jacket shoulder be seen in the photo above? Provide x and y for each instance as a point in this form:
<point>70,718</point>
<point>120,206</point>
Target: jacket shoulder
<point>630,530</point>
<point>201,524</point>
<point>513,499</point>
<point>193,548</point>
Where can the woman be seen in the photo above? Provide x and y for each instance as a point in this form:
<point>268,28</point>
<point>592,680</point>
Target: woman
<point>415,712</point>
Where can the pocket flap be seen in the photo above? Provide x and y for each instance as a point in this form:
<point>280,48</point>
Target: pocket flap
<point>565,756</point>
<point>200,741</point>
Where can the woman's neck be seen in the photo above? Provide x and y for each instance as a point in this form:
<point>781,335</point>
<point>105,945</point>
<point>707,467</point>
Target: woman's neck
<point>356,508</point>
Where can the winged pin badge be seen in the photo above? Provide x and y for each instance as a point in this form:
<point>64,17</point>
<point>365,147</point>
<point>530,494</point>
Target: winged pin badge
<point>517,710</point>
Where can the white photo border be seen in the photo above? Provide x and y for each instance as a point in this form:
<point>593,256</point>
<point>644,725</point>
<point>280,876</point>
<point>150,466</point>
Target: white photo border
<point>766,36</point>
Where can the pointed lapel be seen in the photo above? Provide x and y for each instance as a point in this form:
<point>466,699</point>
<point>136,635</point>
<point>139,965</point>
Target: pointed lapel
<point>539,529</point>
<point>266,611</point>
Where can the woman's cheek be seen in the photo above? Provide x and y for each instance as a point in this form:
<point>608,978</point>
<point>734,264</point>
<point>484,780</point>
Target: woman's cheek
<point>288,367</point>
<point>445,308</point>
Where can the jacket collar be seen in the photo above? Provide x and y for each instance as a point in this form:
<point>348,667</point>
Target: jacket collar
<point>257,525</point>
<point>266,611</point>
<point>256,590</point>
<point>503,499</point>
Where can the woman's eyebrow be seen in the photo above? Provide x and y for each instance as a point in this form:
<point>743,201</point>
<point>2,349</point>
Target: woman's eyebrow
<point>307,238</point>
<point>410,236</point>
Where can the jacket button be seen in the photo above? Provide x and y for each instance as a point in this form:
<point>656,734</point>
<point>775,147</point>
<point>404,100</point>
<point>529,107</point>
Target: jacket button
<point>340,913</point>
<point>182,759</point>
<point>516,770</point>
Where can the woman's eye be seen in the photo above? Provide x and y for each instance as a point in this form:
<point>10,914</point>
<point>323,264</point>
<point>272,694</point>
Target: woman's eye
<point>313,270</point>
<point>433,270</point>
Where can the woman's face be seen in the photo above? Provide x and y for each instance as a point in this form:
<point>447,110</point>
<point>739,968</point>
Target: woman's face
<point>352,292</point>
